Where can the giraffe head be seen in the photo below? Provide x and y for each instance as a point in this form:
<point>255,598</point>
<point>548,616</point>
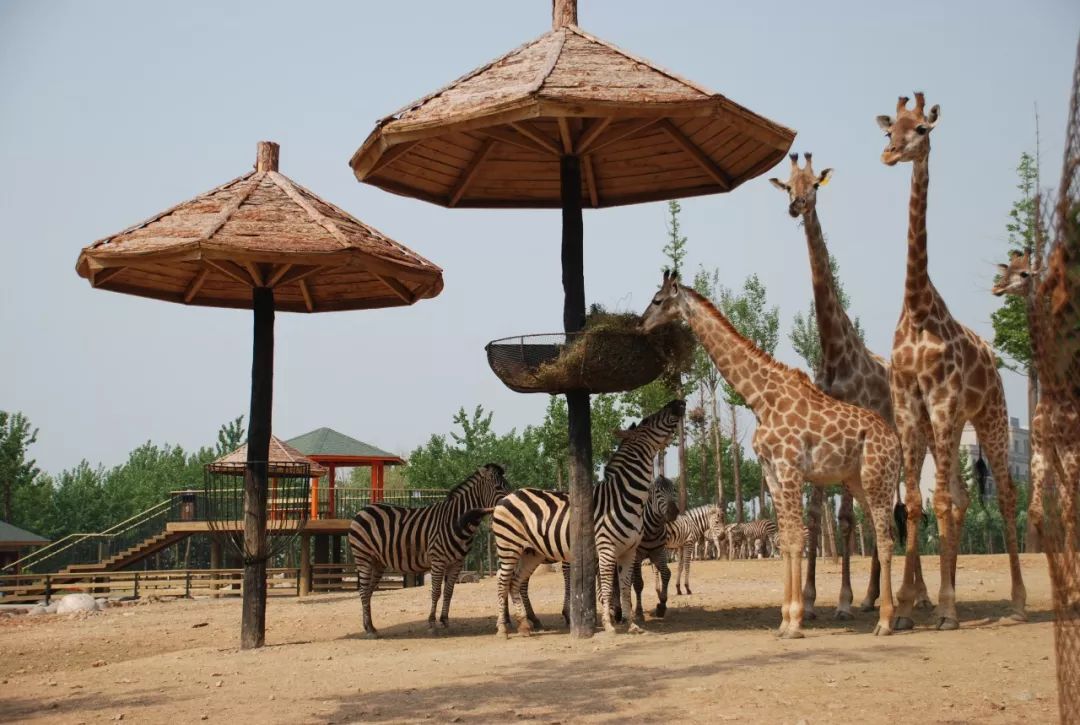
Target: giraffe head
<point>666,304</point>
<point>909,131</point>
<point>802,186</point>
<point>1015,277</point>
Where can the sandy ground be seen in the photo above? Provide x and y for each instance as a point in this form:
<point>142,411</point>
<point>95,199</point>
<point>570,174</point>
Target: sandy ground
<point>712,659</point>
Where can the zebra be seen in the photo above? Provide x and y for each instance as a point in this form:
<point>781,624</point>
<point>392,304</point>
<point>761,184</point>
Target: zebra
<point>652,546</point>
<point>414,540</point>
<point>680,535</point>
<point>757,533</point>
<point>532,525</point>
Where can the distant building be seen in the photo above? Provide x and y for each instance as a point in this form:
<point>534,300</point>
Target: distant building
<point>1019,456</point>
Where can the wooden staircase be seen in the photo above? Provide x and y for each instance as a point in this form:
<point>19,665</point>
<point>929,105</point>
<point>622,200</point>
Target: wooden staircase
<point>131,555</point>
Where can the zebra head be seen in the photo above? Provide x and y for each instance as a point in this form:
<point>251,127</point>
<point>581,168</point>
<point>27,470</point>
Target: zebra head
<point>663,505</point>
<point>666,305</point>
<point>484,487</point>
<point>717,529</point>
<point>655,431</point>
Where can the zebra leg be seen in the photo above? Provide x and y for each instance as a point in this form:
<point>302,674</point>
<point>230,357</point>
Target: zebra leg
<point>639,584</point>
<point>606,567</point>
<point>663,578</point>
<point>436,592</point>
<point>368,576</point>
<point>523,592</point>
<point>686,582</point>
<point>626,573</point>
<point>679,571</point>
<point>449,580</point>
<point>519,589</point>
<point>507,566</point>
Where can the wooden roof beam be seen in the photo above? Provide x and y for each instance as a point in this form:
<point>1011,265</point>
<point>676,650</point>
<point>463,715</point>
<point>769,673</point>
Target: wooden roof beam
<point>306,292</point>
<point>623,132</point>
<point>469,174</point>
<point>591,133</point>
<point>256,273</point>
<point>295,274</point>
<point>391,155</point>
<point>195,285</point>
<point>564,135</point>
<point>514,139</point>
<point>277,274</point>
<point>398,289</point>
<point>524,129</point>
<point>106,274</point>
<point>708,165</point>
<point>231,270</point>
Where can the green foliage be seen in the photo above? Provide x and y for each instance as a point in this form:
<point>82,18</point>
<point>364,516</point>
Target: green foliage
<point>1010,323</point>
<point>17,472</point>
<point>804,335</point>
<point>230,436</point>
<point>675,249</point>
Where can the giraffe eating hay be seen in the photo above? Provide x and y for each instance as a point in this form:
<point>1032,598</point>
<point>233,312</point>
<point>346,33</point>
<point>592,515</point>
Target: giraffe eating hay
<point>802,435</point>
<point>943,375</point>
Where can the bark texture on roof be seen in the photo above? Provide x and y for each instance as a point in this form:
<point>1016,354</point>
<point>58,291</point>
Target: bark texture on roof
<point>280,452</point>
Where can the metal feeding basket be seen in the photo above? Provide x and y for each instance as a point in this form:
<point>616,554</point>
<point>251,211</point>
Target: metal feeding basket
<point>595,361</point>
<point>288,504</point>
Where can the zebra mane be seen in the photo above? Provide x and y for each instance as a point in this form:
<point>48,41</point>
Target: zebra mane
<point>471,479</point>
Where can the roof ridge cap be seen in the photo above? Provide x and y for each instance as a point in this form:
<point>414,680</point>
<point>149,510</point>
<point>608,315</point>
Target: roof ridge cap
<point>286,185</point>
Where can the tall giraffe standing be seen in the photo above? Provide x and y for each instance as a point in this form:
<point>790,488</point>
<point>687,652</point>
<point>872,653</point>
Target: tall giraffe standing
<point>943,375</point>
<point>802,435</point>
<point>1055,426</point>
<point>849,371</point>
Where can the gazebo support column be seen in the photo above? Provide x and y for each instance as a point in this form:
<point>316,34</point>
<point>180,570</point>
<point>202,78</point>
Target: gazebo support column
<point>253,622</point>
<point>582,543</point>
<point>305,564</point>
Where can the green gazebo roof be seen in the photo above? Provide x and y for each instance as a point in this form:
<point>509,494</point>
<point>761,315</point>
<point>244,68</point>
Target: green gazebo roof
<point>329,443</point>
<point>14,535</point>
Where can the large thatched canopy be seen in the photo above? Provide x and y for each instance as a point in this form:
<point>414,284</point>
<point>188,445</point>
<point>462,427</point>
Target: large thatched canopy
<point>260,230</point>
<point>282,457</point>
<point>494,137</point>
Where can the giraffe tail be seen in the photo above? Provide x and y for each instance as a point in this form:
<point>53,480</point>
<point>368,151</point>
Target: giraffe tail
<point>899,514</point>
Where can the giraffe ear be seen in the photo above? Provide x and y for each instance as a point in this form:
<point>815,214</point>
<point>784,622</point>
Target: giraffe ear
<point>779,184</point>
<point>1003,267</point>
<point>885,122</point>
<point>824,177</point>
<point>934,115</point>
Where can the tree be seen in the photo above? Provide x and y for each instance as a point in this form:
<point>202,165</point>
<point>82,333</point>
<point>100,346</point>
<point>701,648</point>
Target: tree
<point>608,415</point>
<point>750,314</point>
<point>805,336</point>
<point>230,436</point>
<point>16,471</point>
<point>1010,320</point>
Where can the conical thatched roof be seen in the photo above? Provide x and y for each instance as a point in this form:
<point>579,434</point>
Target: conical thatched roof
<point>261,229</point>
<point>280,453</point>
<point>493,138</point>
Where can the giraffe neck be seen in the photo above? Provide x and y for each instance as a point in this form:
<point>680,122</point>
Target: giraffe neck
<point>737,359</point>
<point>918,292</point>
<point>837,333</point>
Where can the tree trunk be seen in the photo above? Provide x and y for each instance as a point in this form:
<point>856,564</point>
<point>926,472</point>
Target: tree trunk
<point>661,463</point>
<point>253,621</point>
<point>736,474</point>
<point>579,413</point>
<point>702,451</point>
<point>560,485</point>
<point>718,456</point>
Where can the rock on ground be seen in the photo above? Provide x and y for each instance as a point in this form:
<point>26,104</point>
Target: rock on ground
<point>73,603</point>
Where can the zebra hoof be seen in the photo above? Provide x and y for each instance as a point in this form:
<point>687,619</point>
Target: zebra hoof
<point>660,611</point>
<point>634,629</point>
<point>688,591</point>
<point>444,623</point>
<point>525,629</point>
<point>903,624</point>
<point>882,630</point>
<point>500,633</point>
<point>1018,616</point>
<point>809,614</point>
<point>678,591</point>
<point>867,606</point>
<point>948,623</point>
<point>537,625</point>
<point>842,615</point>
<point>370,634</point>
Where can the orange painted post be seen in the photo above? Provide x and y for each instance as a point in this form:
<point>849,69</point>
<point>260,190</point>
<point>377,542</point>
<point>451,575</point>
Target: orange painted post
<point>382,481</point>
<point>330,492</point>
<point>314,497</point>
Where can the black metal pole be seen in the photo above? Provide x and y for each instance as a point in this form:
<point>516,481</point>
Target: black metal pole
<point>582,542</point>
<point>253,623</point>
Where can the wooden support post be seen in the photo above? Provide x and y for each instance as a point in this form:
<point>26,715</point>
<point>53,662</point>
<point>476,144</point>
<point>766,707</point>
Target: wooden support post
<point>332,510</point>
<point>579,414</point>
<point>215,561</point>
<point>305,564</point>
<point>253,621</point>
<point>314,497</point>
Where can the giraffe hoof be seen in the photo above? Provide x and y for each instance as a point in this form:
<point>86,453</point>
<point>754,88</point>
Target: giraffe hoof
<point>903,623</point>
<point>843,615</point>
<point>1018,616</point>
<point>809,614</point>
<point>370,634</point>
<point>924,603</point>
<point>792,634</point>
<point>948,623</point>
<point>867,606</point>
<point>882,630</point>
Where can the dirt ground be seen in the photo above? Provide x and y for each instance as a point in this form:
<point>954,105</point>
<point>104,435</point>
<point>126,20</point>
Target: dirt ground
<point>712,659</point>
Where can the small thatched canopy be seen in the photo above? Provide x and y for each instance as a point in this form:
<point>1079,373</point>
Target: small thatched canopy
<point>260,230</point>
<point>280,453</point>
<point>494,137</point>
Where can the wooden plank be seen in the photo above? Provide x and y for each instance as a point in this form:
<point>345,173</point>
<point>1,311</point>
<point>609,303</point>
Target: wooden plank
<point>308,301</point>
<point>531,133</point>
<point>712,169</point>
<point>564,134</point>
<point>592,133</point>
<point>105,275</point>
<point>468,175</point>
<point>196,284</point>
<point>398,289</point>
<point>391,155</point>
<point>623,131</point>
<point>277,273</point>
<point>255,272</point>
<point>231,270</point>
<point>297,273</point>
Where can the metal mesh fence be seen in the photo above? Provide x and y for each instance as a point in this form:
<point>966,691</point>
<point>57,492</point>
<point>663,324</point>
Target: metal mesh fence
<point>1056,338</point>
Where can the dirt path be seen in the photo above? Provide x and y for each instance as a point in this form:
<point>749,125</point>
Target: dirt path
<point>713,659</point>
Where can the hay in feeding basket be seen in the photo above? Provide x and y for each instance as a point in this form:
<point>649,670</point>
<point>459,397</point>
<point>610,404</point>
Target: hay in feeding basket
<point>613,354</point>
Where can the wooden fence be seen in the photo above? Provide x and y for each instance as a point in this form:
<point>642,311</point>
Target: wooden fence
<point>283,581</point>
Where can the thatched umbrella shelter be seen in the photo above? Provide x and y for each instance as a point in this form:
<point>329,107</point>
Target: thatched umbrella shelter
<point>265,243</point>
<point>563,119</point>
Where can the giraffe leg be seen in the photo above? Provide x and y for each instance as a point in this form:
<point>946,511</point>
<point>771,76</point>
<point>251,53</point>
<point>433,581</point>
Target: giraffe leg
<point>450,578</point>
<point>662,579</point>
<point>846,521</point>
<point>437,573</point>
<point>809,593</point>
<point>881,514</point>
<point>946,444</point>
<point>910,426</point>
<point>1040,470</point>
<point>368,576</point>
<point>992,428</point>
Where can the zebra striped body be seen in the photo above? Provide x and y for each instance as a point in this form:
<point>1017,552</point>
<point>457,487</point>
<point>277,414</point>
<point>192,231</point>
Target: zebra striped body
<point>532,526</point>
<point>682,534</point>
<point>415,540</point>
<point>652,546</point>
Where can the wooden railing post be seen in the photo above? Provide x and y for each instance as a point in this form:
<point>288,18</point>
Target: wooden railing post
<point>136,594</point>
<point>187,584</point>
<point>48,589</point>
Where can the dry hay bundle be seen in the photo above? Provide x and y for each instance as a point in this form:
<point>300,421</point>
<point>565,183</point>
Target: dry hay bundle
<point>612,354</point>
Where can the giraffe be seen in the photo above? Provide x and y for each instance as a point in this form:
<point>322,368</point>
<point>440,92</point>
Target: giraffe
<point>943,375</point>
<point>1055,425</point>
<point>848,371</point>
<point>802,435</point>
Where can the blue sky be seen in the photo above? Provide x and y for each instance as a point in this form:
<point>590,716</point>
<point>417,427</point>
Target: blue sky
<point>113,111</point>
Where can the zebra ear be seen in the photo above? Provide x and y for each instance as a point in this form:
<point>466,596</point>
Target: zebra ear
<point>624,434</point>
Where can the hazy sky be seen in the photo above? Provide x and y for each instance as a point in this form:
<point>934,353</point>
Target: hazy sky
<point>113,111</point>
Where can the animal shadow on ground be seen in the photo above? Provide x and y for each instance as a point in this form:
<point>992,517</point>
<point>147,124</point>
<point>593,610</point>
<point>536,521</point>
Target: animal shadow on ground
<point>15,709</point>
